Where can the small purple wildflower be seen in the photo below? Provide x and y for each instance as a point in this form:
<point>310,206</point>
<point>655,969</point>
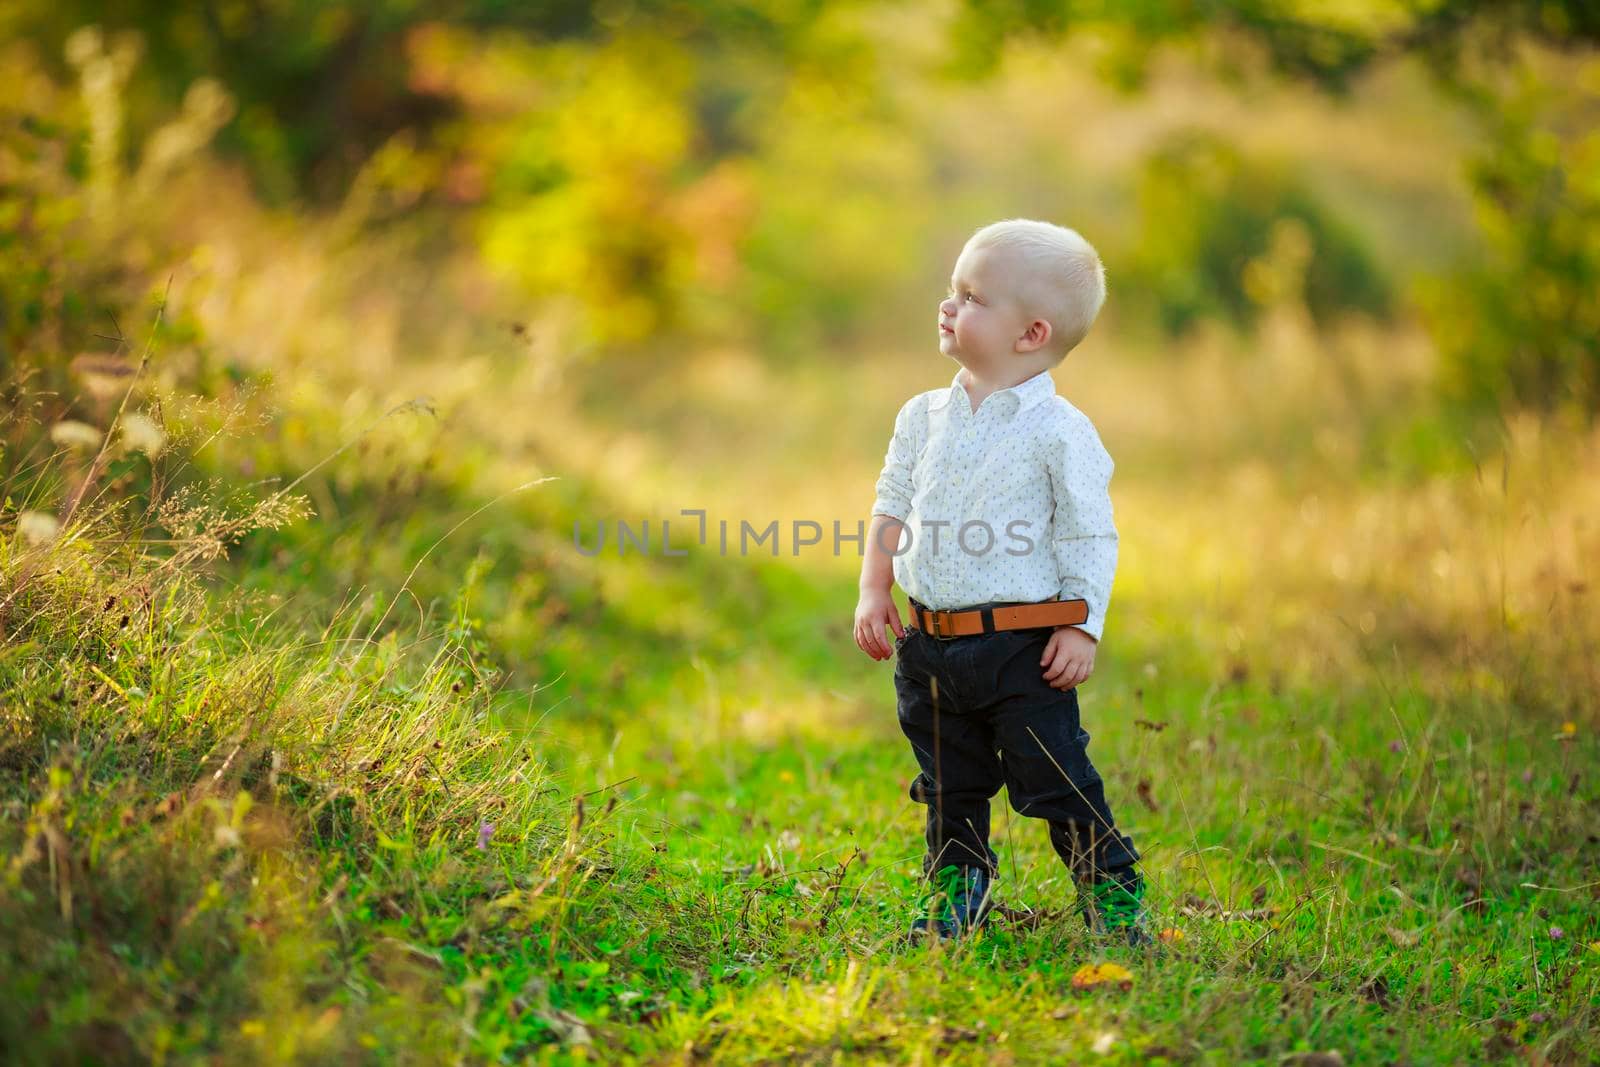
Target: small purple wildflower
<point>1537,1017</point>
<point>1396,746</point>
<point>485,832</point>
<point>1556,933</point>
<point>1527,775</point>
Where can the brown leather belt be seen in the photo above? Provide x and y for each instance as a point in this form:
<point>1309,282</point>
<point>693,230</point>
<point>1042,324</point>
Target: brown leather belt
<point>947,624</point>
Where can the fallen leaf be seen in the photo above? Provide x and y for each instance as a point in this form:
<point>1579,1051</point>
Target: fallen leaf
<point>1095,975</point>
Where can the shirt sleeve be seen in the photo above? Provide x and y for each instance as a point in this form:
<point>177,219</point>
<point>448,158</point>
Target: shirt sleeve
<point>894,481</point>
<point>1085,537</point>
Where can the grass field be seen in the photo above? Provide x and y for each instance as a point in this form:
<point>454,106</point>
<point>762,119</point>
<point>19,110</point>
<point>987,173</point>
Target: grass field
<point>411,779</point>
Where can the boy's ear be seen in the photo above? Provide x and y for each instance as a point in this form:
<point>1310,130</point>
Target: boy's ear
<point>1035,337</point>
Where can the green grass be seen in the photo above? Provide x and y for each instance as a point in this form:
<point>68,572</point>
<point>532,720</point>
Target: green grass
<point>240,829</point>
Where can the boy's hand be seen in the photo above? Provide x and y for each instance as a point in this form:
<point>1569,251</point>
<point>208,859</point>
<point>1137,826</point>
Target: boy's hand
<point>874,611</point>
<point>1068,658</point>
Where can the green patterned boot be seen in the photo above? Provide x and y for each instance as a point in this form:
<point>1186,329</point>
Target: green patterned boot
<point>958,903</point>
<point>1114,905</point>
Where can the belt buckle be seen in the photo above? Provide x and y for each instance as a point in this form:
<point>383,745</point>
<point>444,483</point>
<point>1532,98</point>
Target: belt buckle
<point>933,621</point>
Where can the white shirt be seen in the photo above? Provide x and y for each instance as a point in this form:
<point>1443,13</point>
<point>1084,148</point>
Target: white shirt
<point>1027,476</point>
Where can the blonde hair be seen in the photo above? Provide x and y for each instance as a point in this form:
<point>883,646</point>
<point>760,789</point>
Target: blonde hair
<point>1065,282</point>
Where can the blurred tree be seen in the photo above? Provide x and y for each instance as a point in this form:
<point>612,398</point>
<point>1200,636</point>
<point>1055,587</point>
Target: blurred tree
<point>1519,329</point>
<point>1523,324</point>
<point>603,148</point>
<point>322,85</point>
<point>621,176</point>
<point>1216,230</point>
<point>1325,44</point>
<point>728,167</point>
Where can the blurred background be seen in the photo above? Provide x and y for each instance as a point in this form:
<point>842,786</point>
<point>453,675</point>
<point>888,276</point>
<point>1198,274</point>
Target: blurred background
<point>412,256</point>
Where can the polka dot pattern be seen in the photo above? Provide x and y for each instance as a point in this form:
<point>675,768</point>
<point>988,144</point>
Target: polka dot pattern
<point>1009,502</point>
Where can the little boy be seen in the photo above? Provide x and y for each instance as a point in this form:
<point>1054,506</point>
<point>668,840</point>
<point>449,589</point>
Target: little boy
<point>998,489</point>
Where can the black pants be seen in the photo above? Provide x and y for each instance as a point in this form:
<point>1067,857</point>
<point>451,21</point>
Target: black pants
<point>979,713</point>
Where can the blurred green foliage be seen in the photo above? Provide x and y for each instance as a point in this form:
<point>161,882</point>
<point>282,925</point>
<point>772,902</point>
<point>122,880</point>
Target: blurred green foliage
<point>661,186</point>
<point>1326,44</point>
<point>1521,324</point>
<point>1223,236</point>
<point>652,173</point>
<point>587,198</point>
<point>1517,329</point>
<point>321,86</point>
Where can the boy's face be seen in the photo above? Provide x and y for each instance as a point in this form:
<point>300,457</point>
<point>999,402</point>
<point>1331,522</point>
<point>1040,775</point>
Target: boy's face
<point>982,319</point>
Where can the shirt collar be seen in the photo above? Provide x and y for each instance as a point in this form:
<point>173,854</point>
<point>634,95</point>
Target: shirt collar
<point>1026,394</point>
